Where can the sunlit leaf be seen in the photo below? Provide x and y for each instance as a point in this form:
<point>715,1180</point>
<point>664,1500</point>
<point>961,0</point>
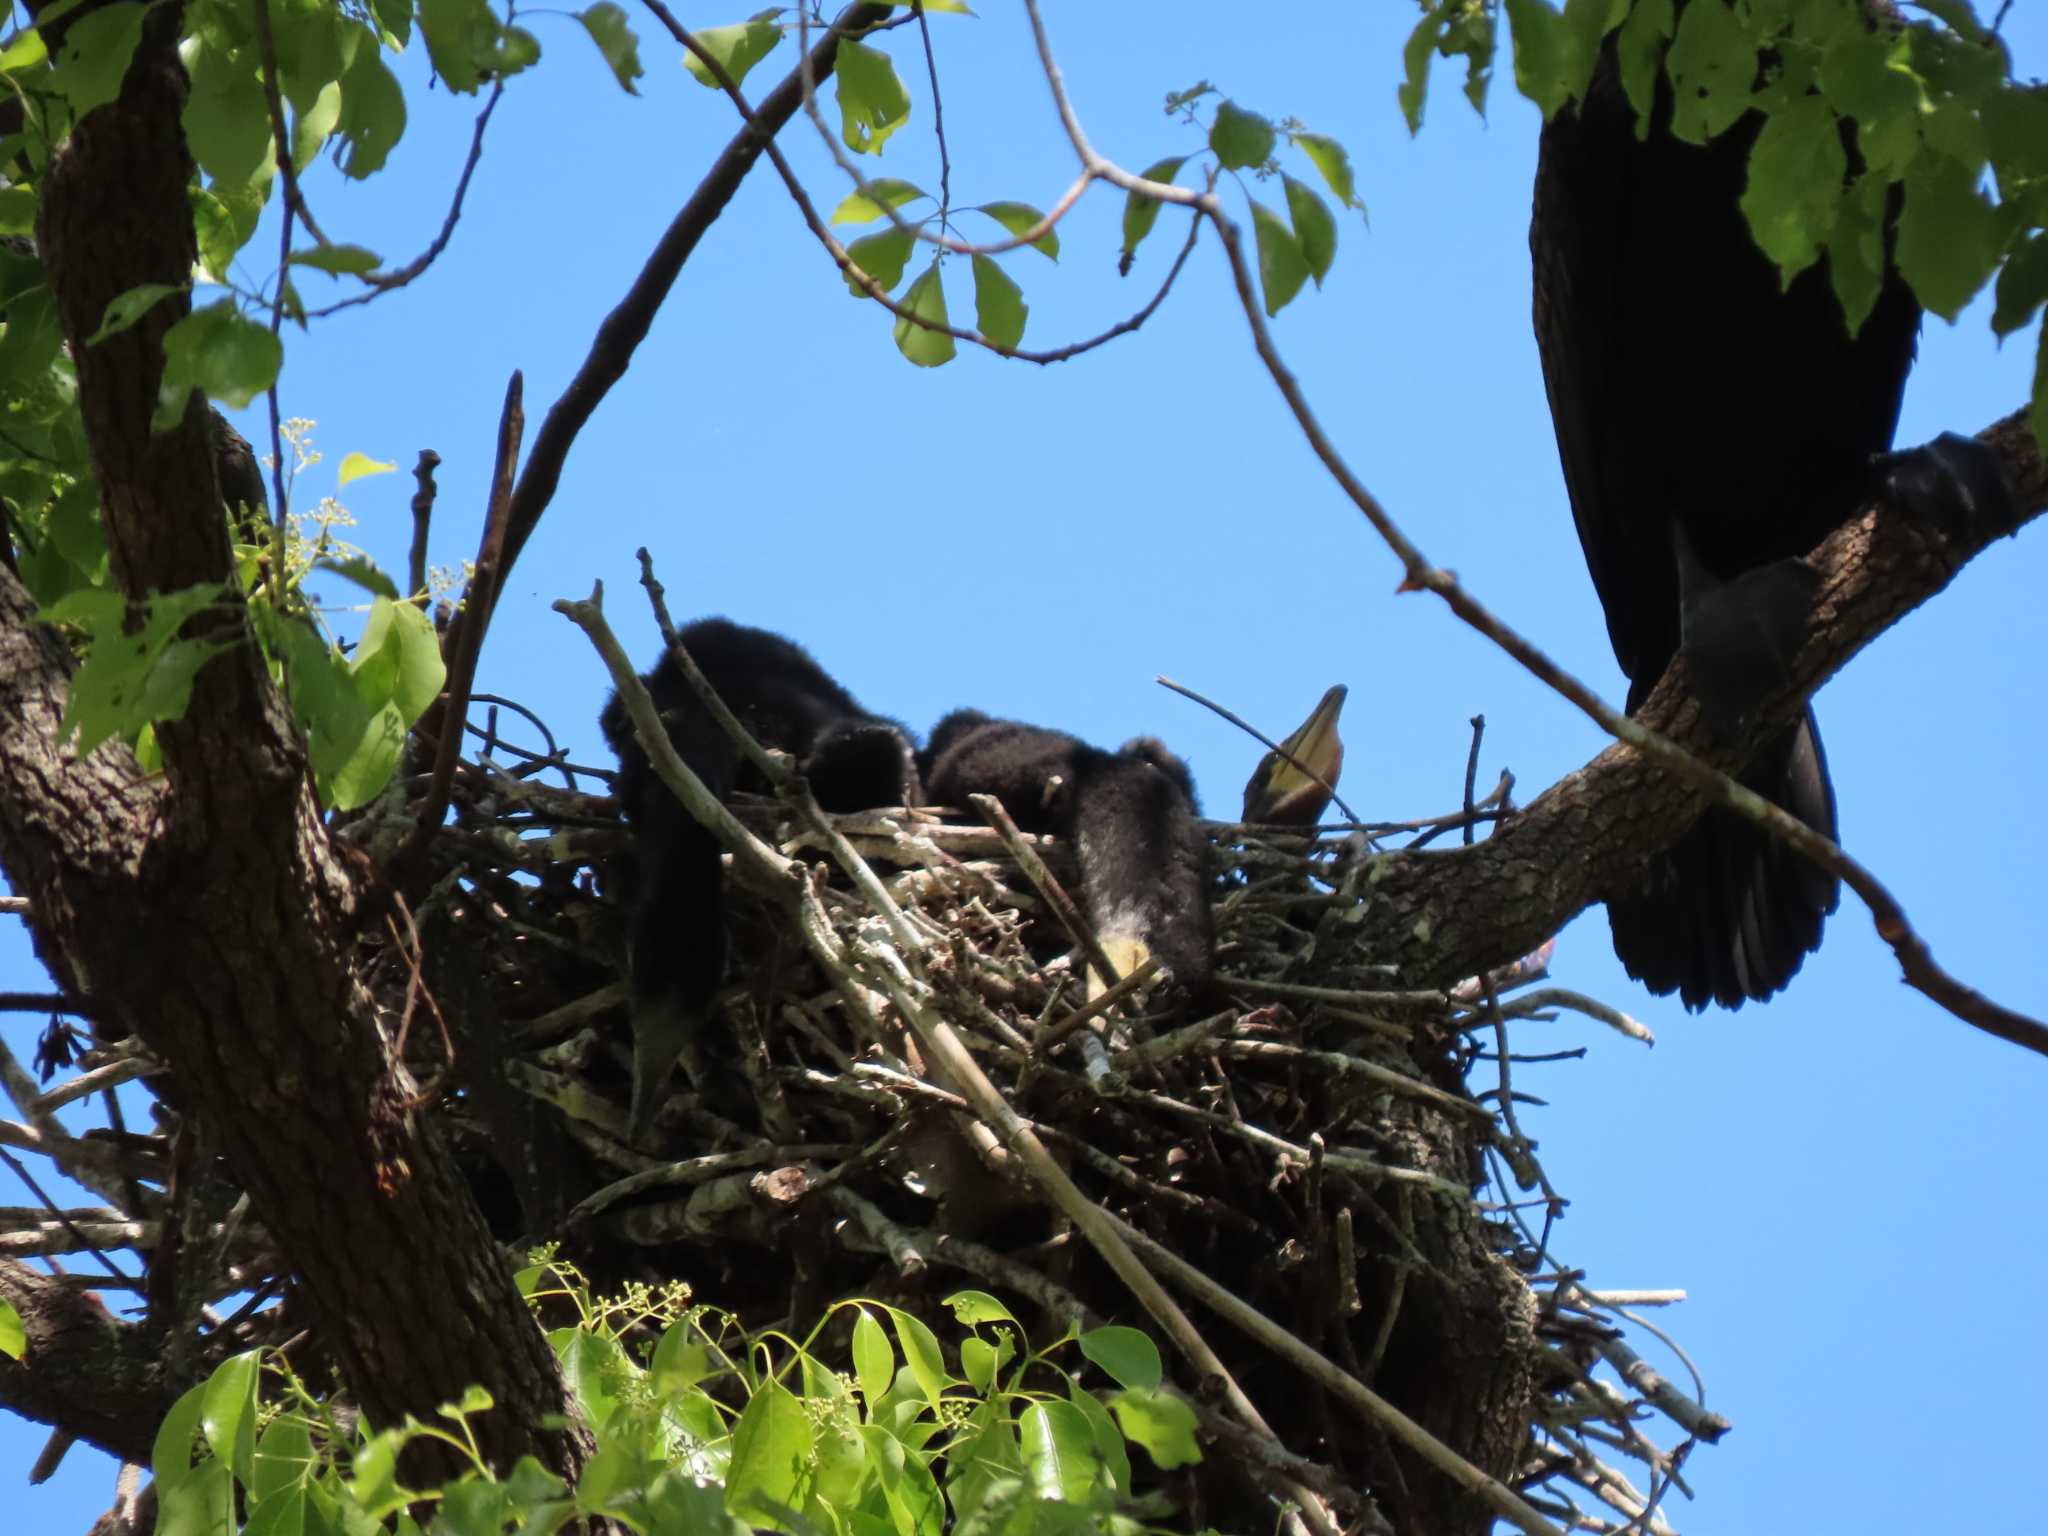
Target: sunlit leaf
<point>1950,235</point>
<point>1129,1357</point>
<point>1332,164</point>
<point>1142,212</point>
<point>606,24</point>
<point>221,351</point>
<point>925,299</point>
<point>13,1336</point>
<point>1795,183</point>
<point>97,47</point>
<point>1162,1423</point>
<point>871,202</point>
<point>883,257</point>
<point>1020,218</point>
<point>337,259</point>
<point>124,309</point>
<point>1282,267</point>
<point>372,114</point>
<point>999,307</point>
<point>359,466</point>
<point>872,102</point>
<point>1240,139</point>
<point>1712,64</point>
<point>1314,228</point>
<point>737,48</point>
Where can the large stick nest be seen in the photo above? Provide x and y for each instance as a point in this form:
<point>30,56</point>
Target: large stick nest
<point>1329,1148</point>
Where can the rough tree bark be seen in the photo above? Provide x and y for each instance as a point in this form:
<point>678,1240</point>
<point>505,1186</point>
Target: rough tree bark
<point>209,908</point>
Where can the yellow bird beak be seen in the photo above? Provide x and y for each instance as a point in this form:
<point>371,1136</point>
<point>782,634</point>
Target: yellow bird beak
<point>1279,790</point>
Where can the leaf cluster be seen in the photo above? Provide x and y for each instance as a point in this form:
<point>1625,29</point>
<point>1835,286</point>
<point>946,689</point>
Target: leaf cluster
<point>1875,140</point>
<point>714,1432</point>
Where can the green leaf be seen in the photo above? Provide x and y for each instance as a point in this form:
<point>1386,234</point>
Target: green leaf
<point>26,51</point>
<point>999,307</point>
<point>1128,1357</point>
<point>337,259</point>
<point>1109,1440</point>
<point>1856,249</point>
<point>921,1352</point>
<point>13,1336</point>
<point>228,1417</point>
<point>1796,168</point>
<point>372,114</point>
<point>218,350</point>
<point>124,309</point>
<point>17,210</point>
<point>1059,1451</point>
<point>2022,285</point>
<point>1020,218</point>
<point>171,1455</point>
<point>395,17</point>
<point>1586,25</point>
<point>1332,164</point>
<point>1713,69</point>
<point>402,629</point>
<point>1869,75</point>
<point>1161,1423</point>
<point>227,123</point>
<point>131,678</point>
<point>1638,51</point>
<point>1315,231</point>
<point>873,200</point>
<point>360,466</point>
<point>606,24</point>
<point>1416,55</point>
<point>225,218</point>
<point>1950,235</point>
<point>971,1308</point>
<point>33,337</point>
<point>915,1505</point>
<point>872,102</point>
<point>1543,53</point>
<point>737,48</point>
<point>312,125</point>
<point>882,256</point>
<point>363,572</point>
<point>1282,266</point>
<point>95,55</point>
<point>465,39</point>
<point>771,1451</point>
<point>284,1457</point>
<point>198,1502</point>
<point>926,299</point>
<point>874,1362</point>
<point>1240,139</point>
<point>1142,212</point>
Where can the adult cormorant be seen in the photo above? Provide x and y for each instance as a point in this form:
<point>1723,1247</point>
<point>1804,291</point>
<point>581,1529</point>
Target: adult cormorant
<point>1714,426</point>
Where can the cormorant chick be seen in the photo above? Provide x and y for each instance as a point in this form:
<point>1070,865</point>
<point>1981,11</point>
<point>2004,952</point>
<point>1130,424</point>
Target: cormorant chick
<point>1714,426</point>
<point>1294,786</point>
<point>1128,815</point>
<point>852,760</point>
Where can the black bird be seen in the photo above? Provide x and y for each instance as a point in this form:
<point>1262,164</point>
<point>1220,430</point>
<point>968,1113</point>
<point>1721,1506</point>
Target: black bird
<point>852,760</point>
<point>1714,426</point>
<point>1129,816</point>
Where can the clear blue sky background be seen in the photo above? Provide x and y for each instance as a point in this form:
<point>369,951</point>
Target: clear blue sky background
<point>1837,1179</point>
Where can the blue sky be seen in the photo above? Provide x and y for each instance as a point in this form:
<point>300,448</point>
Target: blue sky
<point>1837,1178</point>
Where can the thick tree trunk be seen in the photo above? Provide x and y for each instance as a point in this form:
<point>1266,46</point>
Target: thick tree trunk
<point>208,911</point>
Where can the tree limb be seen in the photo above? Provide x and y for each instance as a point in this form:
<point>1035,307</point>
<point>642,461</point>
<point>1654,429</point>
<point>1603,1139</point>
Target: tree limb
<point>1445,915</point>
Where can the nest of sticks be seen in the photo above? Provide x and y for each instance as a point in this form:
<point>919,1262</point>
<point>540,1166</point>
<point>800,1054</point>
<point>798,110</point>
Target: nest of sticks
<point>1324,1168</point>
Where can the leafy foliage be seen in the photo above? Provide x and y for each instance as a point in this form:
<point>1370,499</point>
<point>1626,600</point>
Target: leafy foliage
<point>715,1432</point>
<point>1915,125</point>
